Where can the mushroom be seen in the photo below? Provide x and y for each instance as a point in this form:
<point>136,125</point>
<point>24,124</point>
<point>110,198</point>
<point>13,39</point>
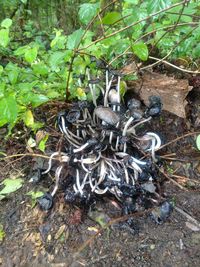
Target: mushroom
<point>107,115</point>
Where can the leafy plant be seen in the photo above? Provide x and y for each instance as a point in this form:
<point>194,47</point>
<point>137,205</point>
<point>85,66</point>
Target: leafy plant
<point>34,196</point>
<point>38,70</point>
<point>10,186</point>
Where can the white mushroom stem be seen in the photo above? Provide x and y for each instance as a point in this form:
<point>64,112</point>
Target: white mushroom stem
<point>92,89</point>
<point>76,150</point>
<point>156,138</point>
<point>78,182</point>
<point>132,129</point>
<point>118,91</point>
<point>84,180</point>
<point>107,91</point>
<point>100,191</point>
<point>52,157</point>
<point>128,123</point>
<point>57,175</point>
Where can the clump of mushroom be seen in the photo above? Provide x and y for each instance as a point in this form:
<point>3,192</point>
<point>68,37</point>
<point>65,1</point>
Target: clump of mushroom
<point>104,151</point>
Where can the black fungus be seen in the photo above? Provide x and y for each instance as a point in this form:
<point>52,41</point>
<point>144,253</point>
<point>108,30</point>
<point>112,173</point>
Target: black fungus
<point>161,213</point>
<point>73,115</point>
<point>133,104</point>
<point>45,202</point>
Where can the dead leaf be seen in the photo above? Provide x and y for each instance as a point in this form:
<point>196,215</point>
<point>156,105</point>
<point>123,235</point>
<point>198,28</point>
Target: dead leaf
<point>172,91</point>
<point>40,135</point>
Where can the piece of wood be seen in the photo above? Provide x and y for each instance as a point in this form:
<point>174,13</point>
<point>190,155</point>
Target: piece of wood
<point>172,91</point>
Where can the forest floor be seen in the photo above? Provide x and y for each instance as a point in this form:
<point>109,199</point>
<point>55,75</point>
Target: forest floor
<point>66,236</point>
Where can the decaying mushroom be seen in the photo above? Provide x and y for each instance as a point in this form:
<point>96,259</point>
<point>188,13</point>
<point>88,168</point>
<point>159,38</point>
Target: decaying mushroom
<point>104,150</point>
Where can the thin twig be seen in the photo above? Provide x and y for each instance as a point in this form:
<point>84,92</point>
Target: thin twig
<point>172,180</point>
<point>178,138</point>
<point>24,155</point>
<point>189,217</point>
<point>172,65</point>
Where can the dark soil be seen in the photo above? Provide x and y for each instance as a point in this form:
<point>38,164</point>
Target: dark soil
<point>68,236</point>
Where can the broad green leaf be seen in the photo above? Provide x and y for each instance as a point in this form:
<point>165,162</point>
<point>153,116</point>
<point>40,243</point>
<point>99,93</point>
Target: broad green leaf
<point>21,50</point>
<point>157,5</point>
<point>8,110</point>
<point>56,59</point>
<point>198,142</point>
<point>4,37</point>
<point>42,144</point>
<point>38,99</point>
<point>141,50</point>
<point>28,118</point>
<point>24,1</point>
<point>40,68</point>
<point>74,39</point>
<point>1,70</point>
<point>31,55</point>
<point>13,75</point>
<point>11,185</point>
<point>87,12</point>
<point>111,18</point>
<point>35,195</point>
<point>6,23</point>
<point>134,2</point>
<point>2,233</point>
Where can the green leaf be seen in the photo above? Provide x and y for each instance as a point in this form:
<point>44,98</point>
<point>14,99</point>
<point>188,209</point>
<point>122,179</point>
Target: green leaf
<point>74,39</point>
<point>35,195</point>
<point>2,233</point>
<point>21,50</point>
<point>40,68</point>
<point>80,93</point>
<point>141,50</point>
<point>1,70</point>
<point>6,23</point>
<point>42,144</point>
<point>4,37</point>
<point>198,142</point>
<point>111,18</point>
<point>8,110</point>
<point>28,118</point>
<point>87,12</point>
<point>13,74</point>
<point>134,2</point>
<point>10,186</point>
<point>56,59</point>
<point>31,54</point>
<point>24,1</point>
<point>157,5</point>
<point>38,99</point>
